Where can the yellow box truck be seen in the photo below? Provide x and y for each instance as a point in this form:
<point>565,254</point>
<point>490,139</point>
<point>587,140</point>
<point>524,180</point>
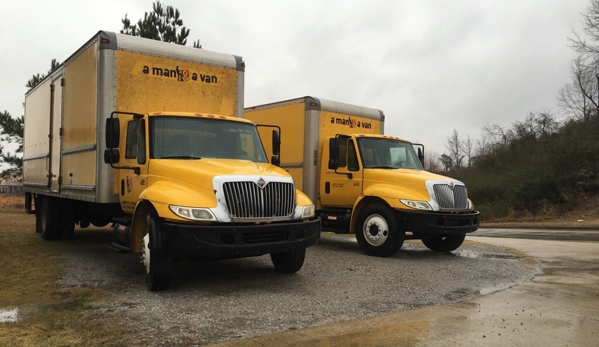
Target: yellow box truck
<point>148,136</point>
<point>366,183</point>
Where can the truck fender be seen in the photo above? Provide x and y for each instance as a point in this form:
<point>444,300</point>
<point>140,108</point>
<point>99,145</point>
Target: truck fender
<point>359,205</point>
<point>392,193</point>
<point>139,220</point>
<point>166,192</point>
<point>138,225</point>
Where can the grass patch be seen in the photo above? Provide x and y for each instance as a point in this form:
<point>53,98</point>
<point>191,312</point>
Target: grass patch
<point>12,201</point>
<point>49,315</point>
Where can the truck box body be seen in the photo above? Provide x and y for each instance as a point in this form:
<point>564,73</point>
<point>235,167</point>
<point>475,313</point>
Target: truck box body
<point>305,123</point>
<point>65,115</point>
<point>149,136</point>
<point>363,181</point>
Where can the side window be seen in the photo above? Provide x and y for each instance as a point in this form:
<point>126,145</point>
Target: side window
<point>342,152</point>
<point>398,156</point>
<point>141,143</point>
<point>131,141</point>
<point>352,158</point>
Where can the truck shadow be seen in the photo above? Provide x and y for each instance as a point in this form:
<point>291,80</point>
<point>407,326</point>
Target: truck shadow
<point>91,261</point>
<point>413,249</point>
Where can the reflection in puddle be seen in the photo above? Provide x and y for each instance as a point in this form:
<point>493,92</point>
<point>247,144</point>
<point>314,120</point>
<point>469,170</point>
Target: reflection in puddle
<point>466,253</point>
<point>497,288</point>
<point>472,254</point>
<point>8,316</point>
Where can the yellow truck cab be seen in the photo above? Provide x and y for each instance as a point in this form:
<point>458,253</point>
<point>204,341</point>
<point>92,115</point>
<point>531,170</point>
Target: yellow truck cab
<point>364,182</point>
<point>194,182</point>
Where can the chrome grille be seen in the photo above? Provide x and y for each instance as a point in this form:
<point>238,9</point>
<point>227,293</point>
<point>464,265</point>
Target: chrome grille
<point>454,199</point>
<point>248,200</point>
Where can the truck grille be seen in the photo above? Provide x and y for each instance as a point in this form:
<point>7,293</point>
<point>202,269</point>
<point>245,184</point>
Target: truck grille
<point>454,199</point>
<point>248,200</point>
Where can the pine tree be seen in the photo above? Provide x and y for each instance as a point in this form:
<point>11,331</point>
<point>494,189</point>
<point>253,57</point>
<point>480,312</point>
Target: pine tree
<point>162,24</point>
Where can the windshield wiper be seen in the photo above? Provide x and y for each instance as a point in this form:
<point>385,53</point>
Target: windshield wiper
<point>382,167</point>
<point>180,157</point>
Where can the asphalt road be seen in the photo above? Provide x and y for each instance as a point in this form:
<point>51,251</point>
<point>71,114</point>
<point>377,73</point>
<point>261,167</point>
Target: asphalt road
<point>211,302</point>
<point>558,307</point>
<point>583,235</point>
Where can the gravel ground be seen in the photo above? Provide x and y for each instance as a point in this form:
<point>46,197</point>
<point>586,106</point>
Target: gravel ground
<point>209,302</point>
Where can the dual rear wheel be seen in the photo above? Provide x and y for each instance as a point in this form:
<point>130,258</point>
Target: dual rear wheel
<point>53,221</point>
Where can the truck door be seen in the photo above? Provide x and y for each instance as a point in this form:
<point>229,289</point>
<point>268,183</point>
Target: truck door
<point>342,187</point>
<point>55,136</point>
<point>131,184</point>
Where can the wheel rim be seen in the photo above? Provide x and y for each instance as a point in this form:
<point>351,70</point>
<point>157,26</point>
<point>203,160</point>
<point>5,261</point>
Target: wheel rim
<point>145,255</point>
<point>375,230</point>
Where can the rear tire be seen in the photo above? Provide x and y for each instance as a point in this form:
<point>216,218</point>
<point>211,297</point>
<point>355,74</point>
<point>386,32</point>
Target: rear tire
<point>47,220</point>
<point>289,262</point>
<point>444,243</point>
<point>67,223</point>
<point>377,231</point>
<point>156,256</point>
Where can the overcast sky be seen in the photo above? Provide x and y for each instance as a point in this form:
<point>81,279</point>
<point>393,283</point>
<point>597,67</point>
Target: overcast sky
<point>431,65</point>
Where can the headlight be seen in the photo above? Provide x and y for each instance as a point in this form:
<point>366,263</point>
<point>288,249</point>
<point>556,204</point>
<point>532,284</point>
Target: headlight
<point>193,213</point>
<point>419,205</point>
<point>308,211</point>
<point>470,205</point>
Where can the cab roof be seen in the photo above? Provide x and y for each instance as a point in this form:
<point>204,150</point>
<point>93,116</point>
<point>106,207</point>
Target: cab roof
<point>380,136</point>
<point>201,115</point>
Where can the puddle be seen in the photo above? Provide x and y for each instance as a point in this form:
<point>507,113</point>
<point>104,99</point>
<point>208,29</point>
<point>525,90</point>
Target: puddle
<point>8,316</point>
<point>466,253</point>
<point>497,288</point>
<point>473,254</point>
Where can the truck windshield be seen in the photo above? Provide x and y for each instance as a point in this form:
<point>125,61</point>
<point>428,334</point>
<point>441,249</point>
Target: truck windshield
<point>385,153</point>
<point>174,137</point>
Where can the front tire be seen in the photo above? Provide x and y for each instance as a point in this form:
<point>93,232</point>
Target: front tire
<point>289,262</point>
<point>444,243</point>
<point>156,256</point>
<point>377,231</point>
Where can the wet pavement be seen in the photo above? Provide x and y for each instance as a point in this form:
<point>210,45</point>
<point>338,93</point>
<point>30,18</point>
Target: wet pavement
<point>582,235</point>
<point>557,308</point>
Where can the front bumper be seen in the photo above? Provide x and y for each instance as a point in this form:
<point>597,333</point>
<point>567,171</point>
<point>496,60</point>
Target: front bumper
<point>240,240</point>
<point>439,223</point>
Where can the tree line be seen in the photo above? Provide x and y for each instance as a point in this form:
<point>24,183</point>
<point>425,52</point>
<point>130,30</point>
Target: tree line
<point>163,23</point>
<point>537,165</point>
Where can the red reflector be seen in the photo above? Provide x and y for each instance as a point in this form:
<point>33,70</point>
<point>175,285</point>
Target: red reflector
<point>104,40</point>
<point>313,104</point>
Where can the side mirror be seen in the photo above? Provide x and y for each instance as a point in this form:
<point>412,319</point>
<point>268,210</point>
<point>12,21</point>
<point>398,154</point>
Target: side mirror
<point>276,143</point>
<point>275,160</point>
<point>421,156</point>
<point>334,153</point>
<point>112,133</point>
<point>111,156</point>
